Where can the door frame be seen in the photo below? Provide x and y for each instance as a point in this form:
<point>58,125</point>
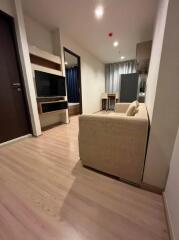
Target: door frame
<point>79,73</point>
<point>11,21</point>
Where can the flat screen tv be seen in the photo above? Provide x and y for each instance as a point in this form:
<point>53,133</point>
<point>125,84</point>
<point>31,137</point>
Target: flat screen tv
<point>49,85</point>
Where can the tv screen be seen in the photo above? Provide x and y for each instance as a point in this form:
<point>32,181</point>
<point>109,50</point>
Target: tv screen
<point>49,85</point>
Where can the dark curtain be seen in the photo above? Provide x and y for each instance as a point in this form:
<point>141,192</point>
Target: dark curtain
<point>72,84</point>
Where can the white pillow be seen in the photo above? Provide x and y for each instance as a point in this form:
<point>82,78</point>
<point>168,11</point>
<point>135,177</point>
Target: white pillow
<point>132,109</point>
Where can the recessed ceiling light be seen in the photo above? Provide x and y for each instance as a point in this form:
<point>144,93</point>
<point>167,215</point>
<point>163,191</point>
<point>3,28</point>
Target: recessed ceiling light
<point>115,44</point>
<point>99,12</point>
<point>122,57</point>
<point>66,63</point>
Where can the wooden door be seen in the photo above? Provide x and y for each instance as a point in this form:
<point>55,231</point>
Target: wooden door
<point>14,117</point>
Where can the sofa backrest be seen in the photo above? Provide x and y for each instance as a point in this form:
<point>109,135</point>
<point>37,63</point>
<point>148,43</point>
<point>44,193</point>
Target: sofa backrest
<point>142,112</point>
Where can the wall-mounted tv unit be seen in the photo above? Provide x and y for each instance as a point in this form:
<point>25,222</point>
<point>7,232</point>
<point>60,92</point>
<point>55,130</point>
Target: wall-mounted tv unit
<point>49,85</point>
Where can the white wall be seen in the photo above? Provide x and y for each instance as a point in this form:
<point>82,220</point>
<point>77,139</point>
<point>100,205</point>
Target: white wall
<point>156,55</point>
<point>165,118</point>
<point>92,70</point>
<point>38,35</point>
<point>92,76</point>
<point>172,191</point>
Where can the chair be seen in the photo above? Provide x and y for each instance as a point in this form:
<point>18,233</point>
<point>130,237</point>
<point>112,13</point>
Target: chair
<point>104,98</point>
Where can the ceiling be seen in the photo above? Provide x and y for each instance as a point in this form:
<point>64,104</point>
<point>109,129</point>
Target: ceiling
<point>131,21</point>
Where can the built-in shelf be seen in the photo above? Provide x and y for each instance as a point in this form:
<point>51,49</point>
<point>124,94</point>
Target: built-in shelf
<point>44,61</point>
<point>52,106</point>
<point>43,54</point>
<point>46,69</point>
<point>51,110</point>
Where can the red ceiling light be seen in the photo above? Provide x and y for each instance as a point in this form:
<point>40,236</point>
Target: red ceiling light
<point>110,34</point>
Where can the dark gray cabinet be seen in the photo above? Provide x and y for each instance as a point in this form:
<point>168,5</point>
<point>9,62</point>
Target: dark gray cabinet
<point>129,87</point>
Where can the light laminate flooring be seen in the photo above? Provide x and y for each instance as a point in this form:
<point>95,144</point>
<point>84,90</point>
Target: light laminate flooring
<point>46,194</point>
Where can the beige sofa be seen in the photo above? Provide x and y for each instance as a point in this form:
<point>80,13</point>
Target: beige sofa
<point>114,143</point>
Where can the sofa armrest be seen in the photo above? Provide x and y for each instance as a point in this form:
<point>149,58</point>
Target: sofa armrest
<point>121,107</point>
<point>112,144</point>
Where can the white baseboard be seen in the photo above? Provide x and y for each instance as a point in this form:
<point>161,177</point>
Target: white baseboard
<point>15,140</point>
<point>169,222</point>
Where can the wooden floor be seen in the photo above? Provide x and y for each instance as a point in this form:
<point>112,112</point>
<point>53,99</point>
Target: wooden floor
<point>46,194</point>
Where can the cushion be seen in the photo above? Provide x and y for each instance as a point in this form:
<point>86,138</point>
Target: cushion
<point>137,103</point>
<point>132,109</point>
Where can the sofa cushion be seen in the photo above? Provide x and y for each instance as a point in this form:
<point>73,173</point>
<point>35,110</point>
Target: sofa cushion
<point>132,109</point>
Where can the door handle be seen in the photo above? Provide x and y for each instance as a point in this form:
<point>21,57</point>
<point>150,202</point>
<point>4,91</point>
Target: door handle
<point>16,84</point>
